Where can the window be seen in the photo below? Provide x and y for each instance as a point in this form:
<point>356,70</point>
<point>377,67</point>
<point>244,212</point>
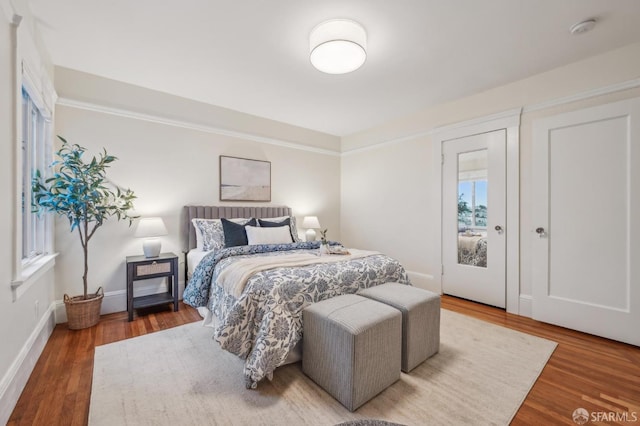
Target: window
<point>33,254</point>
<point>472,189</point>
<point>472,204</point>
<point>35,156</point>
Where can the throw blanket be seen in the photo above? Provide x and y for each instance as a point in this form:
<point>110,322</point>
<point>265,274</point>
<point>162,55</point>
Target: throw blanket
<point>264,322</point>
<point>469,243</point>
<point>234,278</point>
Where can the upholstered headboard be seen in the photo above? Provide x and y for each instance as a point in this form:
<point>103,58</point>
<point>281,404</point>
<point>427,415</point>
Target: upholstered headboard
<point>216,212</point>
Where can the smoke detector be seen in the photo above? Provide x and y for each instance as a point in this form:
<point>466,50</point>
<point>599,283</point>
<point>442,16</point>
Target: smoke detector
<point>582,27</point>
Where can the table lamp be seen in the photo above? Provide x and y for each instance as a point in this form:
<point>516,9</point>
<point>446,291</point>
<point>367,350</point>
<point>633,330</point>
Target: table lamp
<point>311,223</point>
<point>151,228</point>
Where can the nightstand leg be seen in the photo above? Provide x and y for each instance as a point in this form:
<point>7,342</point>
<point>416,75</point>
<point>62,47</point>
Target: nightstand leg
<point>130,291</point>
<point>175,284</point>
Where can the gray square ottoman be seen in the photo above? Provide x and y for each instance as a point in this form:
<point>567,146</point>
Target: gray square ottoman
<point>351,347</point>
<point>420,319</point>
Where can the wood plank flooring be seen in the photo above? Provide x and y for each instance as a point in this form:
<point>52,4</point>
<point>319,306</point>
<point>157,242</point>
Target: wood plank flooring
<point>585,371</point>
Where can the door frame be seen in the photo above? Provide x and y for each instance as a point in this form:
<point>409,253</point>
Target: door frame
<point>509,121</point>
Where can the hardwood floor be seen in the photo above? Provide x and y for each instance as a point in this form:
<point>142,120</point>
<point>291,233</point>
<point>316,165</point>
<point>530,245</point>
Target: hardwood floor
<point>59,389</point>
<point>585,371</point>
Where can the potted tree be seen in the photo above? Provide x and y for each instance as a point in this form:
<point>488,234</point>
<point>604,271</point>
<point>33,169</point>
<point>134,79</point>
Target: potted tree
<point>81,192</point>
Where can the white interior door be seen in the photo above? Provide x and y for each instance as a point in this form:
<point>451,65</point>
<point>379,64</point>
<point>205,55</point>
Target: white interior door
<point>473,217</point>
<point>586,248</point>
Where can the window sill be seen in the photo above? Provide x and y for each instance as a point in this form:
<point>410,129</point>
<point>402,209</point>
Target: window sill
<point>31,274</point>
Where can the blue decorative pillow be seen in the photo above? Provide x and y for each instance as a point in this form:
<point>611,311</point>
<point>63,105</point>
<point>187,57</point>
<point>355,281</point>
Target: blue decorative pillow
<point>235,234</point>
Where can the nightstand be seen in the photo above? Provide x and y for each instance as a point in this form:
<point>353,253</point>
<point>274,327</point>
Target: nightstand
<point>144,268</point>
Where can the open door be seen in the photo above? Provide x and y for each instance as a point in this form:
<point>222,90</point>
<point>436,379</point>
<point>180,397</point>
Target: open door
<point>474,218</point>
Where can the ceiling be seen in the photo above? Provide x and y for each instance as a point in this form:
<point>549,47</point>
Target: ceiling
<point>253,55</point>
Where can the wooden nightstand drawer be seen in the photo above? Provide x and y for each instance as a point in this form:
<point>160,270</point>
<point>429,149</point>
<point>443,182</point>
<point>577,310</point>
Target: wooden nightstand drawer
<point>152,269</point>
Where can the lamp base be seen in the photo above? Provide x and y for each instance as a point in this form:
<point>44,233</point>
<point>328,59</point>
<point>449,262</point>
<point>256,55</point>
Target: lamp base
<point>311,234</point>
<point>151,247</point>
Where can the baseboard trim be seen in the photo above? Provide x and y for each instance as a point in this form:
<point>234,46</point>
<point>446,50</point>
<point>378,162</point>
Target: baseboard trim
<point>424,281</point>
<point>116,301</point>
<point>526,306</point>
<point>14,381</point>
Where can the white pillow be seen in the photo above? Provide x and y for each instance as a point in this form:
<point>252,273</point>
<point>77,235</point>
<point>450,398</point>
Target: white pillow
<point>274,235</point>
<point>292,220</point>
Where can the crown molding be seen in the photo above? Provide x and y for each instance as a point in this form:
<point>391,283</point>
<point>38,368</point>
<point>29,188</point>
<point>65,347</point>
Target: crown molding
<point>588,94</point>
<point>514,113</point>
<point>508,118</point>
<point>510,115</point>
<point>152,118</point>
<point>386,143</point>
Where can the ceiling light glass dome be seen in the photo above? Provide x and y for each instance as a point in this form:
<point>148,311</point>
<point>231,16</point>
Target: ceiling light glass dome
<point>338,46</point>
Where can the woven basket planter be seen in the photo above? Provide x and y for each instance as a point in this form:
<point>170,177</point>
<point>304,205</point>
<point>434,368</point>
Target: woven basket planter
<point>81,312</point>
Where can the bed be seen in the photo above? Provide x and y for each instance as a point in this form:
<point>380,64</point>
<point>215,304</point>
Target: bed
<point>472,249</point>
<point>257,292</point>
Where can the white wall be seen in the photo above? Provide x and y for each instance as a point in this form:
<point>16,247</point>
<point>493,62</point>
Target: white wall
<point>387,188</point>
<point>169,166</point>
<point>386,203</point>
<point>24,327</point>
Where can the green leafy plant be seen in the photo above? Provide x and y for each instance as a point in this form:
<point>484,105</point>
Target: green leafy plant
<point>323,237</point>
<point>463,208</point>
<point>81,192</point>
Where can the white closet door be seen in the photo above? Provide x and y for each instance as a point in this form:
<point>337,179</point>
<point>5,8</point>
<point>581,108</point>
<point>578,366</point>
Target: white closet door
<point>586,243</point>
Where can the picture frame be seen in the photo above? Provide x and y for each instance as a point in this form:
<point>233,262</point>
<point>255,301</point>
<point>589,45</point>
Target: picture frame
<point>244,179</point>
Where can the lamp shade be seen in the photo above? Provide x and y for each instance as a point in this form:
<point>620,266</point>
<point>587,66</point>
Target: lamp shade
<point>150,227</point>
<point>338,46</point>
<point>311,222</point>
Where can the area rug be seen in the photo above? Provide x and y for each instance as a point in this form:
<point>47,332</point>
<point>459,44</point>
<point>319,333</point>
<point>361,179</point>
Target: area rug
<point>481,375</point>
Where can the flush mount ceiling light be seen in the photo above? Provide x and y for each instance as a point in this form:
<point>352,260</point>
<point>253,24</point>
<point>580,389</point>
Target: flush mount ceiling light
<point>338,46</point>
<point>582,27</point>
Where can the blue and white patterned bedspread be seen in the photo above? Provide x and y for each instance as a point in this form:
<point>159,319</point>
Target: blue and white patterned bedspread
<point>265,322</point>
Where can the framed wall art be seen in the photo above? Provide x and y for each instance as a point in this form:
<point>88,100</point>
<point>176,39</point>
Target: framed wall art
<point>243,179</point>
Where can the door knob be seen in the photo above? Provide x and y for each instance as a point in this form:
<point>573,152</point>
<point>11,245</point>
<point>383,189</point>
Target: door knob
<point>498,228</point>
<point>540,232</point>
